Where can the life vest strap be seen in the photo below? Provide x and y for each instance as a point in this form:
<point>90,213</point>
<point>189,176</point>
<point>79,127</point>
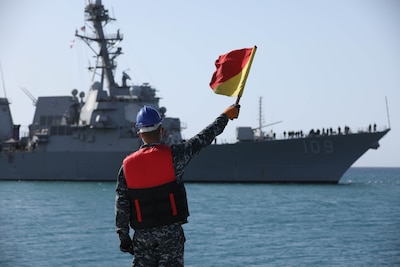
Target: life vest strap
<point>173,205</point>
<point>138,211</point>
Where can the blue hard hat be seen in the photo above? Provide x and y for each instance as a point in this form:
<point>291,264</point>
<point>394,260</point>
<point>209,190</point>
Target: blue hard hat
<point>147,117</point>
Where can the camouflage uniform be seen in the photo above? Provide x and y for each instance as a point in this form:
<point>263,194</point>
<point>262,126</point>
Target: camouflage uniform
<point>163,246</point>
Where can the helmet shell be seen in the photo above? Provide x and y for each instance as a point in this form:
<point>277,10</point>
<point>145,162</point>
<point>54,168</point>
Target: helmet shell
<point>147,116</point>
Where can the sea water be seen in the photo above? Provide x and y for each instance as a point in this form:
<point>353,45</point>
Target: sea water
<point>353,223</point>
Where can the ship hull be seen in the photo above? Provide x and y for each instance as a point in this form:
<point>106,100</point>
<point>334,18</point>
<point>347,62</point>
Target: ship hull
<point>320,159</point>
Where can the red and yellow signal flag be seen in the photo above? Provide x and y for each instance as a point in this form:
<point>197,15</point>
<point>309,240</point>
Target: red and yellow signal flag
<point>232,70</point>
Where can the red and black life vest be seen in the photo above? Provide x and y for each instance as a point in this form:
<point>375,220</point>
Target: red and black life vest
<point>156,197</point>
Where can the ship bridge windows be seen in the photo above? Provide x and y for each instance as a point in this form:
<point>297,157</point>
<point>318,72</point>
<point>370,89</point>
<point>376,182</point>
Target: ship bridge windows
<point>61,130</point>
<point>50,120</point>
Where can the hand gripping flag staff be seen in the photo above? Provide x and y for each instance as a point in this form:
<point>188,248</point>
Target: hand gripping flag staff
<point>232,70</point>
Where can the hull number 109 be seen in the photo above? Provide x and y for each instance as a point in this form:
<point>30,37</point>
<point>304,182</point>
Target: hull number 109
<point>318,147</point>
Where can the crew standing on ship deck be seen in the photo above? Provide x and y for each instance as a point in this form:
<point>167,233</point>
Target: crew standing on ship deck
<point>150,194</point>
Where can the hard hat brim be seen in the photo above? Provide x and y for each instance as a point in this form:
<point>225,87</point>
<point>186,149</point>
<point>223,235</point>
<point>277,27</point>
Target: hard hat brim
<point>149,128</point>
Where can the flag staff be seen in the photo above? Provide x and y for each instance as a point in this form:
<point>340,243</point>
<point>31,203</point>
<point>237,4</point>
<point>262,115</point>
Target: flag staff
<point>237,100</point>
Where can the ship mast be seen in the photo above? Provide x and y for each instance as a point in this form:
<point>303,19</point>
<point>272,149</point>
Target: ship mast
<point>261,120</point>
<point>260,117</point>
<point>98,16</point>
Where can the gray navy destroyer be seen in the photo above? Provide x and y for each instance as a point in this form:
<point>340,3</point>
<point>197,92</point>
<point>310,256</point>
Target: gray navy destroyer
<point>85,137</point>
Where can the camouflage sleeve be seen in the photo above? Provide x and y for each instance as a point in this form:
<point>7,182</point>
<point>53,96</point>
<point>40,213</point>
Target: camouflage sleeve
<point>122,207</point>
<point>184,152</point>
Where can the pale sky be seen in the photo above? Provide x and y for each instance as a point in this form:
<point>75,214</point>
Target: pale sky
<point>319,63</point>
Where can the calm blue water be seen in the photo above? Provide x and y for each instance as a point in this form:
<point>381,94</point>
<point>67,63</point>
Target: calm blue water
<point>355,223</point>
